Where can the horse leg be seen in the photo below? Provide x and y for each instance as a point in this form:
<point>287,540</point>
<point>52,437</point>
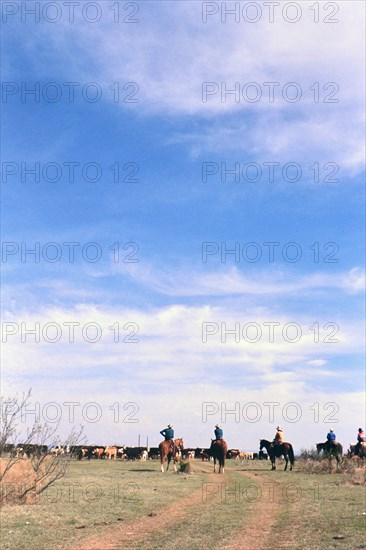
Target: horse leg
<point>273,460</point>
<point>162,460</point>
<point>174,462</point>
<point>214,466</point>
<point>286,459</point>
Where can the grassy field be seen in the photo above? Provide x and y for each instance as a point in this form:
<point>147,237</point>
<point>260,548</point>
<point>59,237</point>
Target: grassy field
<point>106,504</point>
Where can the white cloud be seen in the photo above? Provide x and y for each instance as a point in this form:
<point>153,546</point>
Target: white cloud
<point>170,73</point>
<point>231,281</point>
<point>317,363</point>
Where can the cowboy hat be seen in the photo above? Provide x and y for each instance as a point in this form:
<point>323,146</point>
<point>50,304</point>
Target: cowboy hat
<point>217,426</point>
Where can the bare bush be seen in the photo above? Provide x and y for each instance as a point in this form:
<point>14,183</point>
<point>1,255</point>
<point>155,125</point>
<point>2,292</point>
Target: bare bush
<point>309,453</point>
<point>24,477</point>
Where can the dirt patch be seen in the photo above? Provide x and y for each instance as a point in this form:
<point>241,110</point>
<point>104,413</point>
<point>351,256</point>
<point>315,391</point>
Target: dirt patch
<point>142,528</point>
<point>261,517</point>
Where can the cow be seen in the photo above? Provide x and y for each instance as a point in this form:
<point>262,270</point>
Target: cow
<point>205,454</point>
<point>233,453</point>
<point>19,452</point>
<point>144,455</point>
<point>189,453</point>
<point>111,451</point>
<point>31,449</point>
<point>121,453</point>
<point>245,456</point>
<point>58,450</point>
<point>8,449</point>
<point>99,452</point>
<point>134,453</point>
<point>154,453</point>
<point>86,452</point>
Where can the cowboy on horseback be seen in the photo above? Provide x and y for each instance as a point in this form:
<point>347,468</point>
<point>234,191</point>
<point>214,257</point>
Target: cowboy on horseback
<point>219,433</point>
<point>361,438</point>
<point>279,437</point>
<point>331,438</point>
<point>168,434</point>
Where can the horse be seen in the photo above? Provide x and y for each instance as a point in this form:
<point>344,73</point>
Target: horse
<point>168,451</point>
<point>361,451</point>
<point>218,451</point>
<point>276,451</point>
<point>331,449</point>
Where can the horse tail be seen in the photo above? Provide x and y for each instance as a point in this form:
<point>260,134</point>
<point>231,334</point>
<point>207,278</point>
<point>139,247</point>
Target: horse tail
<point>291,455</point>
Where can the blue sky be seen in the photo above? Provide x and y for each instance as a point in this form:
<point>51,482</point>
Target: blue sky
<point>170,135</point>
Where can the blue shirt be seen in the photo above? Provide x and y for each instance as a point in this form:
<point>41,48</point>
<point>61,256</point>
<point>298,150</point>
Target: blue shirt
<point>219,433</point>
<point>331,436</point>
<point>168,433</point>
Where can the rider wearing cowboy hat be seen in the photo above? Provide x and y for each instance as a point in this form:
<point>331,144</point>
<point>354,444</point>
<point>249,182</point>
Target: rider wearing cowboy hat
<point>331,438</point>
<point>219,433</point>
<point>168,433</point>
<point>279,437</point>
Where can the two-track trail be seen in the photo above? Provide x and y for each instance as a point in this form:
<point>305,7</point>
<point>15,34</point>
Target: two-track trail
<point>256,526</point>
<point>261,515</point>
<point>141,529</point>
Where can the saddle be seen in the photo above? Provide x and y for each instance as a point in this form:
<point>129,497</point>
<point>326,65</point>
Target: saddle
<point>173,447</point>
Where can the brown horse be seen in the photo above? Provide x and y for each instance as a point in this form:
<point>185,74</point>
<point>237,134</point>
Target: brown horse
<point>218,451</point>
<point>170,450</point>
<point>329,450</point>
<point>276,451</point>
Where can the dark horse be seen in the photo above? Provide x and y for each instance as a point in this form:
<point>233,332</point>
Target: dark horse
<point>170,450</point>
<point>218,451</point>
<point>285,450</point>
<point>331,449</point>
<point>361,450</point>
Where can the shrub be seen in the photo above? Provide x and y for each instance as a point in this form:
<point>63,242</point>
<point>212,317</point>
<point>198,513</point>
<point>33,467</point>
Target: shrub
<point>184,467</point>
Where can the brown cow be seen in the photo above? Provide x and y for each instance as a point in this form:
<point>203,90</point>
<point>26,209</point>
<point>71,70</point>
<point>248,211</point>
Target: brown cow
<point>111,452</point>
<point>99,452</point>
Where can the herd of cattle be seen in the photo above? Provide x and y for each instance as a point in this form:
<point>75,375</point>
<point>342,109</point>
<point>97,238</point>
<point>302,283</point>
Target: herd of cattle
<point>144,453</point>
<point>123,452</point>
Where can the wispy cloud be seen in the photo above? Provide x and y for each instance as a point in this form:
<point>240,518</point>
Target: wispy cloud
<point>230,281</point>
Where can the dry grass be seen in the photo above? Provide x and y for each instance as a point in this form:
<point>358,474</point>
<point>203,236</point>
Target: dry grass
<point>18,485</point>
<point>22,482</point>
<point>353,470</point>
